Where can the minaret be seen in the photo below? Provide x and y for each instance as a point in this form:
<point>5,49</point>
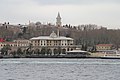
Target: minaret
<point>58,24</point>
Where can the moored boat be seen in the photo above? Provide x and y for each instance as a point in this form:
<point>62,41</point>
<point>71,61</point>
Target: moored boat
<point>111,56</point>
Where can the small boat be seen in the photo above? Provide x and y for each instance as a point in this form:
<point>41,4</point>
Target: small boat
<point>113,56</point>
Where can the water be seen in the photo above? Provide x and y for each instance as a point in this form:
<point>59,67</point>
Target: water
<point>59,69</point>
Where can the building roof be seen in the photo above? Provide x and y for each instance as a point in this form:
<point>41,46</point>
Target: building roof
<point>2,40</point>
<point>7,42</point>
<point>105,45</point>
<point>76,51</point>
<point>51,38</point>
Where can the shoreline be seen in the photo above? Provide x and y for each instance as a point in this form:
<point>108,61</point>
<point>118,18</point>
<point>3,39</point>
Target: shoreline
<point>52,57</point>
<point>80,57</point>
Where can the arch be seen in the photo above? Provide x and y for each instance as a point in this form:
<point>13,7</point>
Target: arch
<point>63,51</point>
<point>55,51</point>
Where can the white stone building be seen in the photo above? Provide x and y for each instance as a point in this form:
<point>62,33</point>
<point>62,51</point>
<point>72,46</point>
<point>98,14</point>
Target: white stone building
<point>53,42</point>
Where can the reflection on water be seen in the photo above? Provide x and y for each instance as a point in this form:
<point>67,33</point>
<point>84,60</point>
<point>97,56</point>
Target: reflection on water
<point>59,69</point>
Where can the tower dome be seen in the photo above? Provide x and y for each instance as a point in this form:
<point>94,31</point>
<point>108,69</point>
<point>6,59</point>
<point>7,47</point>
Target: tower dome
<point>53,35</point>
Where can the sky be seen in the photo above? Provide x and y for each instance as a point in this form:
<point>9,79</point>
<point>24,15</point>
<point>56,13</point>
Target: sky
<point>75,12</point>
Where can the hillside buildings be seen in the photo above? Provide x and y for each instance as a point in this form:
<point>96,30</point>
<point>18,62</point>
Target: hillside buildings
<point>52,42</point>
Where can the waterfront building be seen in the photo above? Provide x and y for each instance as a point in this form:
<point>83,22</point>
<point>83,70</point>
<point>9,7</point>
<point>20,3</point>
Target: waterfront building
<point>22,42</point>
<point>11,44</point>
<point>15,44</point>
<point>104,47</point>
<point>54,41</point>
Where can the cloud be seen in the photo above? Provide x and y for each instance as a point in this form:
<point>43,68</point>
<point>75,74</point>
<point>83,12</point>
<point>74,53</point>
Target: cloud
<point>75,2</point>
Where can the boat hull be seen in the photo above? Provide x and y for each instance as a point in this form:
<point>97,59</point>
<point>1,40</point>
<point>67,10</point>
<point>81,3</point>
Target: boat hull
<point>110,57</point>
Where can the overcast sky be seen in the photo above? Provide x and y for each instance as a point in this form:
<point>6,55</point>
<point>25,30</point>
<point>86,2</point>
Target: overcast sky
<point>101,12</point>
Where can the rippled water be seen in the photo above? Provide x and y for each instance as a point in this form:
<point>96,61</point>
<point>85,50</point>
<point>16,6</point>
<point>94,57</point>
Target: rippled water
<point>59,69</point>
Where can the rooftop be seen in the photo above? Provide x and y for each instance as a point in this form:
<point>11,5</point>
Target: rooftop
<point>78,51</point>
<point>51,38</point>
<point>104,45</point>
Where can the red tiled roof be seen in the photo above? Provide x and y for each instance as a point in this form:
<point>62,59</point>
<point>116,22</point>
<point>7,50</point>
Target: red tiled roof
<point>8,42</point>
<point>2,40</point>
<point>104,45</point>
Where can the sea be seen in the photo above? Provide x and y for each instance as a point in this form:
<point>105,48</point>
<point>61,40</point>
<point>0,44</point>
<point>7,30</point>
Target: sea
<point>59,69</point>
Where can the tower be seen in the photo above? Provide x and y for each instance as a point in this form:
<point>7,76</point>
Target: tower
<point>58,20</point>
<point>58,23</point>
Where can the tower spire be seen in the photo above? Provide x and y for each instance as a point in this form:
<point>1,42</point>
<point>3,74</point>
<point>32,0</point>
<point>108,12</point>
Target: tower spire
<point>58,20</point>
<point>58,23</point>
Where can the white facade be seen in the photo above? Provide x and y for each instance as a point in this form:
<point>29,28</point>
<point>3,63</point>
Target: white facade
<point>22,43</point>
<point>52,40</point>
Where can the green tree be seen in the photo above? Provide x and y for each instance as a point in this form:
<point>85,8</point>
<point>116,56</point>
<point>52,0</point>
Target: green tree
<point>59,50</point>
<point>93,49</point>
<point>55,51</point>
<point>84,47</point>
<point>19,52</point>
<point>63,51</point>
<point>37,52</point>
<point>43,51</point>
<point>14,53</point>
<point>29,50</point>
<point>49,52</point>
<point>5,49</point>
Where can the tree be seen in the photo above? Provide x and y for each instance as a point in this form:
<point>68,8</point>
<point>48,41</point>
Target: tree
<point>19,52</point>
<point>14,53</point>
<point>59,50</point>
<point>84,47</point>
<point>24,30</point>
<point>49,52</point>
<point>55,51</point>
<point>43,51</point>
<point>93,49</point>
<point>29,50</point>
<point>37,51</point>
<point>5,49</point>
